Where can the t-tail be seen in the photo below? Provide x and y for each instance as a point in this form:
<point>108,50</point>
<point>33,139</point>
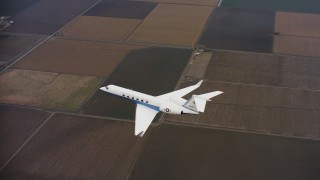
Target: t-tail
<point>198,102</point>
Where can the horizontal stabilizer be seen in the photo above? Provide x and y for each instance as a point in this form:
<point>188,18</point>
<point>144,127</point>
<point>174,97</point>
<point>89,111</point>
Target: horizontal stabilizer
<point>198,102</point>
<point>202,99</point>
<point>210,95</point>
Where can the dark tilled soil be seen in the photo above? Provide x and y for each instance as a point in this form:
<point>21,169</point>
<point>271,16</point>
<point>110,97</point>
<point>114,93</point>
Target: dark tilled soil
<point>122,9</point>
<point>239,29</point>
<point>174,152</point>
<point>16,125</point>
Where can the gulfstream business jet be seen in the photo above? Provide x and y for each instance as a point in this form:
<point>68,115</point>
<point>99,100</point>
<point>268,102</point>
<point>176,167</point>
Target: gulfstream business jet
<point>172,103</point>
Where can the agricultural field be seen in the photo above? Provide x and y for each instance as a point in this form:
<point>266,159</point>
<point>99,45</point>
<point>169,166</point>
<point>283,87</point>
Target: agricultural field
<point>302,46</point>
<point>122,9</point>
<point>148,71</point>
<point>100,28</point>
<point>12,46</point>
<point>12,7</point>
<point>178,152</point>
<point>269,96</point>
<point>239,29</point>
<point>46,90</point>
<point>190,2</point>
<point>172,24</point>
<point>263,69</point>
<point>298,24</point>
<point>16,125</point>
<point>310,6</point>
<point>62,56</point>
<point>266,62</point>
<point>46,17</point>
<point>71,147</point>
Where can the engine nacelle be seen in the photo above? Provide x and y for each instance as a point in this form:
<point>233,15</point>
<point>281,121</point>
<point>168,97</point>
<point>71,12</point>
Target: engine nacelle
<point>170,108</point>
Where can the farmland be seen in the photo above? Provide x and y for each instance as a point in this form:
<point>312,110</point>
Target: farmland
<point>298,24</point>
<point>155,77</point>
<point>262,69</point>
<point>55,122</point>
<point>46,90</point>
<point>12,135</point>
<point>310,6</point>
<point>61,56</point>
<point>172,24</point>
<point>100,28</point>
<point>13,46</point>
<point>46,17</point>
<point>303,46</point>
<point>190,2</point>
<point>179,152</point>
<point>122,9</point>
<point>74,147</point>
<point>239,29</point>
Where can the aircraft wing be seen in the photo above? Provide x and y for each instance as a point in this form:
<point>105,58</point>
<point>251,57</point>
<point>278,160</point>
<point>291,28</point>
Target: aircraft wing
<point>144,117</point>
<point>181,92</point>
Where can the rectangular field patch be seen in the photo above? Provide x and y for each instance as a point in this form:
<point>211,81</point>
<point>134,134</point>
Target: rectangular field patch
<point>298,24</point>
<point>122,9</point>
<point>189,2</point>
<point>172,24</point>
<point>46,17</point>
<point>12,46</point>
<point>309,6</point>
<point>186,152</point>
<point>303,46</point>
<point>74,147</point>
<point>265,69</point>
<point>100,28</point>
<point>239,29</point>
<point>46,90</point>
<point>75,57</point>
<point>16,125</point>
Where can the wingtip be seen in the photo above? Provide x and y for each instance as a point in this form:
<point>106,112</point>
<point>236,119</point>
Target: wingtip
<point>140,134</point>
<point>199,83</point>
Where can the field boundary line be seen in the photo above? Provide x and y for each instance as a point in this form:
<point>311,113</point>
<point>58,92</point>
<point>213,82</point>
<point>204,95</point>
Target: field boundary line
<point>203,126</point>
<point>47,38</point>
<point>26,142</point>
<point>261,85</point>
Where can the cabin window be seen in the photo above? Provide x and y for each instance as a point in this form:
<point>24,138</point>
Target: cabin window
<point>137,99</point>
<point>128,97</point>
<point>132,97</point>
<point>123,95</point>
<point>141,100</point>
<point>147,102</point>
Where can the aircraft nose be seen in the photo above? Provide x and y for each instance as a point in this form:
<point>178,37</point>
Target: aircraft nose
<point>103,88</point>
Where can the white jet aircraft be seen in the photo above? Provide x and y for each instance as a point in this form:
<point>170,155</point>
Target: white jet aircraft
<point>172,103</point>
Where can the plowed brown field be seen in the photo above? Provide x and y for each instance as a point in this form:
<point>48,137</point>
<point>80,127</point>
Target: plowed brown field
<point>16,125</point>
<point>259,108</point>
<point>72,147</point>
<point>298,24</point>
<point>101,28</point>
<point>303,46</point>
<point>191,2</point>
<point>47,90</point>
<point>75,57</point>
<point>172,24</point>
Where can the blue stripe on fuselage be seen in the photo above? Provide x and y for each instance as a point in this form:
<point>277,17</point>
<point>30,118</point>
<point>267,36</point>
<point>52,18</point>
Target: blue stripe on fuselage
<point>156,108</point>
